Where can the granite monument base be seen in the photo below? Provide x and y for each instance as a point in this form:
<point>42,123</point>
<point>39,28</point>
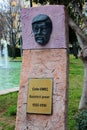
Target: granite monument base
<point>52,64</point>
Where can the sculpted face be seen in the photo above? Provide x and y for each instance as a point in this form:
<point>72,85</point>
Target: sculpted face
<point>42,28</point>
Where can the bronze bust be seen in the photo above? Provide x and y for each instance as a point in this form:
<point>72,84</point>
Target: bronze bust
<point>42,28</point>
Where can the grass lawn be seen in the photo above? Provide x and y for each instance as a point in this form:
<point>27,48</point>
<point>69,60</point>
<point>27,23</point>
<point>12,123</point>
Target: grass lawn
<point>8,102</point>
<point>76,76</point>
<point>8,105</point>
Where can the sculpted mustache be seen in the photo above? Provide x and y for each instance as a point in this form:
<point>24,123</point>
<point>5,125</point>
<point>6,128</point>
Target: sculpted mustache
<point>39,36</point>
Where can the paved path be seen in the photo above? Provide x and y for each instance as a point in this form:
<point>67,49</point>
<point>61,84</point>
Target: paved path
<point>9,90</point>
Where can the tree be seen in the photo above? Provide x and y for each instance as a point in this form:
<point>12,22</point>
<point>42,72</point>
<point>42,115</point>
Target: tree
<point>3,19</point>
<point>78,22</point>
<point>9,14</point>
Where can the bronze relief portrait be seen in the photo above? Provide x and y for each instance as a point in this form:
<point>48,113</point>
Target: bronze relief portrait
<point>42,28</point>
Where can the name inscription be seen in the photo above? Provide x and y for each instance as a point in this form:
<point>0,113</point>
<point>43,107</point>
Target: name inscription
<point>41,89</point>
<point>40,96</point>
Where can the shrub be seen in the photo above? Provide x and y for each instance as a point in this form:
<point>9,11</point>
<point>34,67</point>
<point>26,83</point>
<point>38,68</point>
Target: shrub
<point>81,120</point>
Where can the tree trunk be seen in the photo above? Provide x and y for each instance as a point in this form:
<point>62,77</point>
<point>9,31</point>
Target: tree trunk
<point>83,101</point>
<point>82,39</point>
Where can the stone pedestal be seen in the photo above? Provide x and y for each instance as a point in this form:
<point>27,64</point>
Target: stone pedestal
<point>48,62</point>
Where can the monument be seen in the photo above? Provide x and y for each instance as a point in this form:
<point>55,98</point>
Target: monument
<point>42,100</point>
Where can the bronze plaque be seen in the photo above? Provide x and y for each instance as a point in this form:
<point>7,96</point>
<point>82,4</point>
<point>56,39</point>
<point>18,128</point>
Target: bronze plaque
<point>40,96</point>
